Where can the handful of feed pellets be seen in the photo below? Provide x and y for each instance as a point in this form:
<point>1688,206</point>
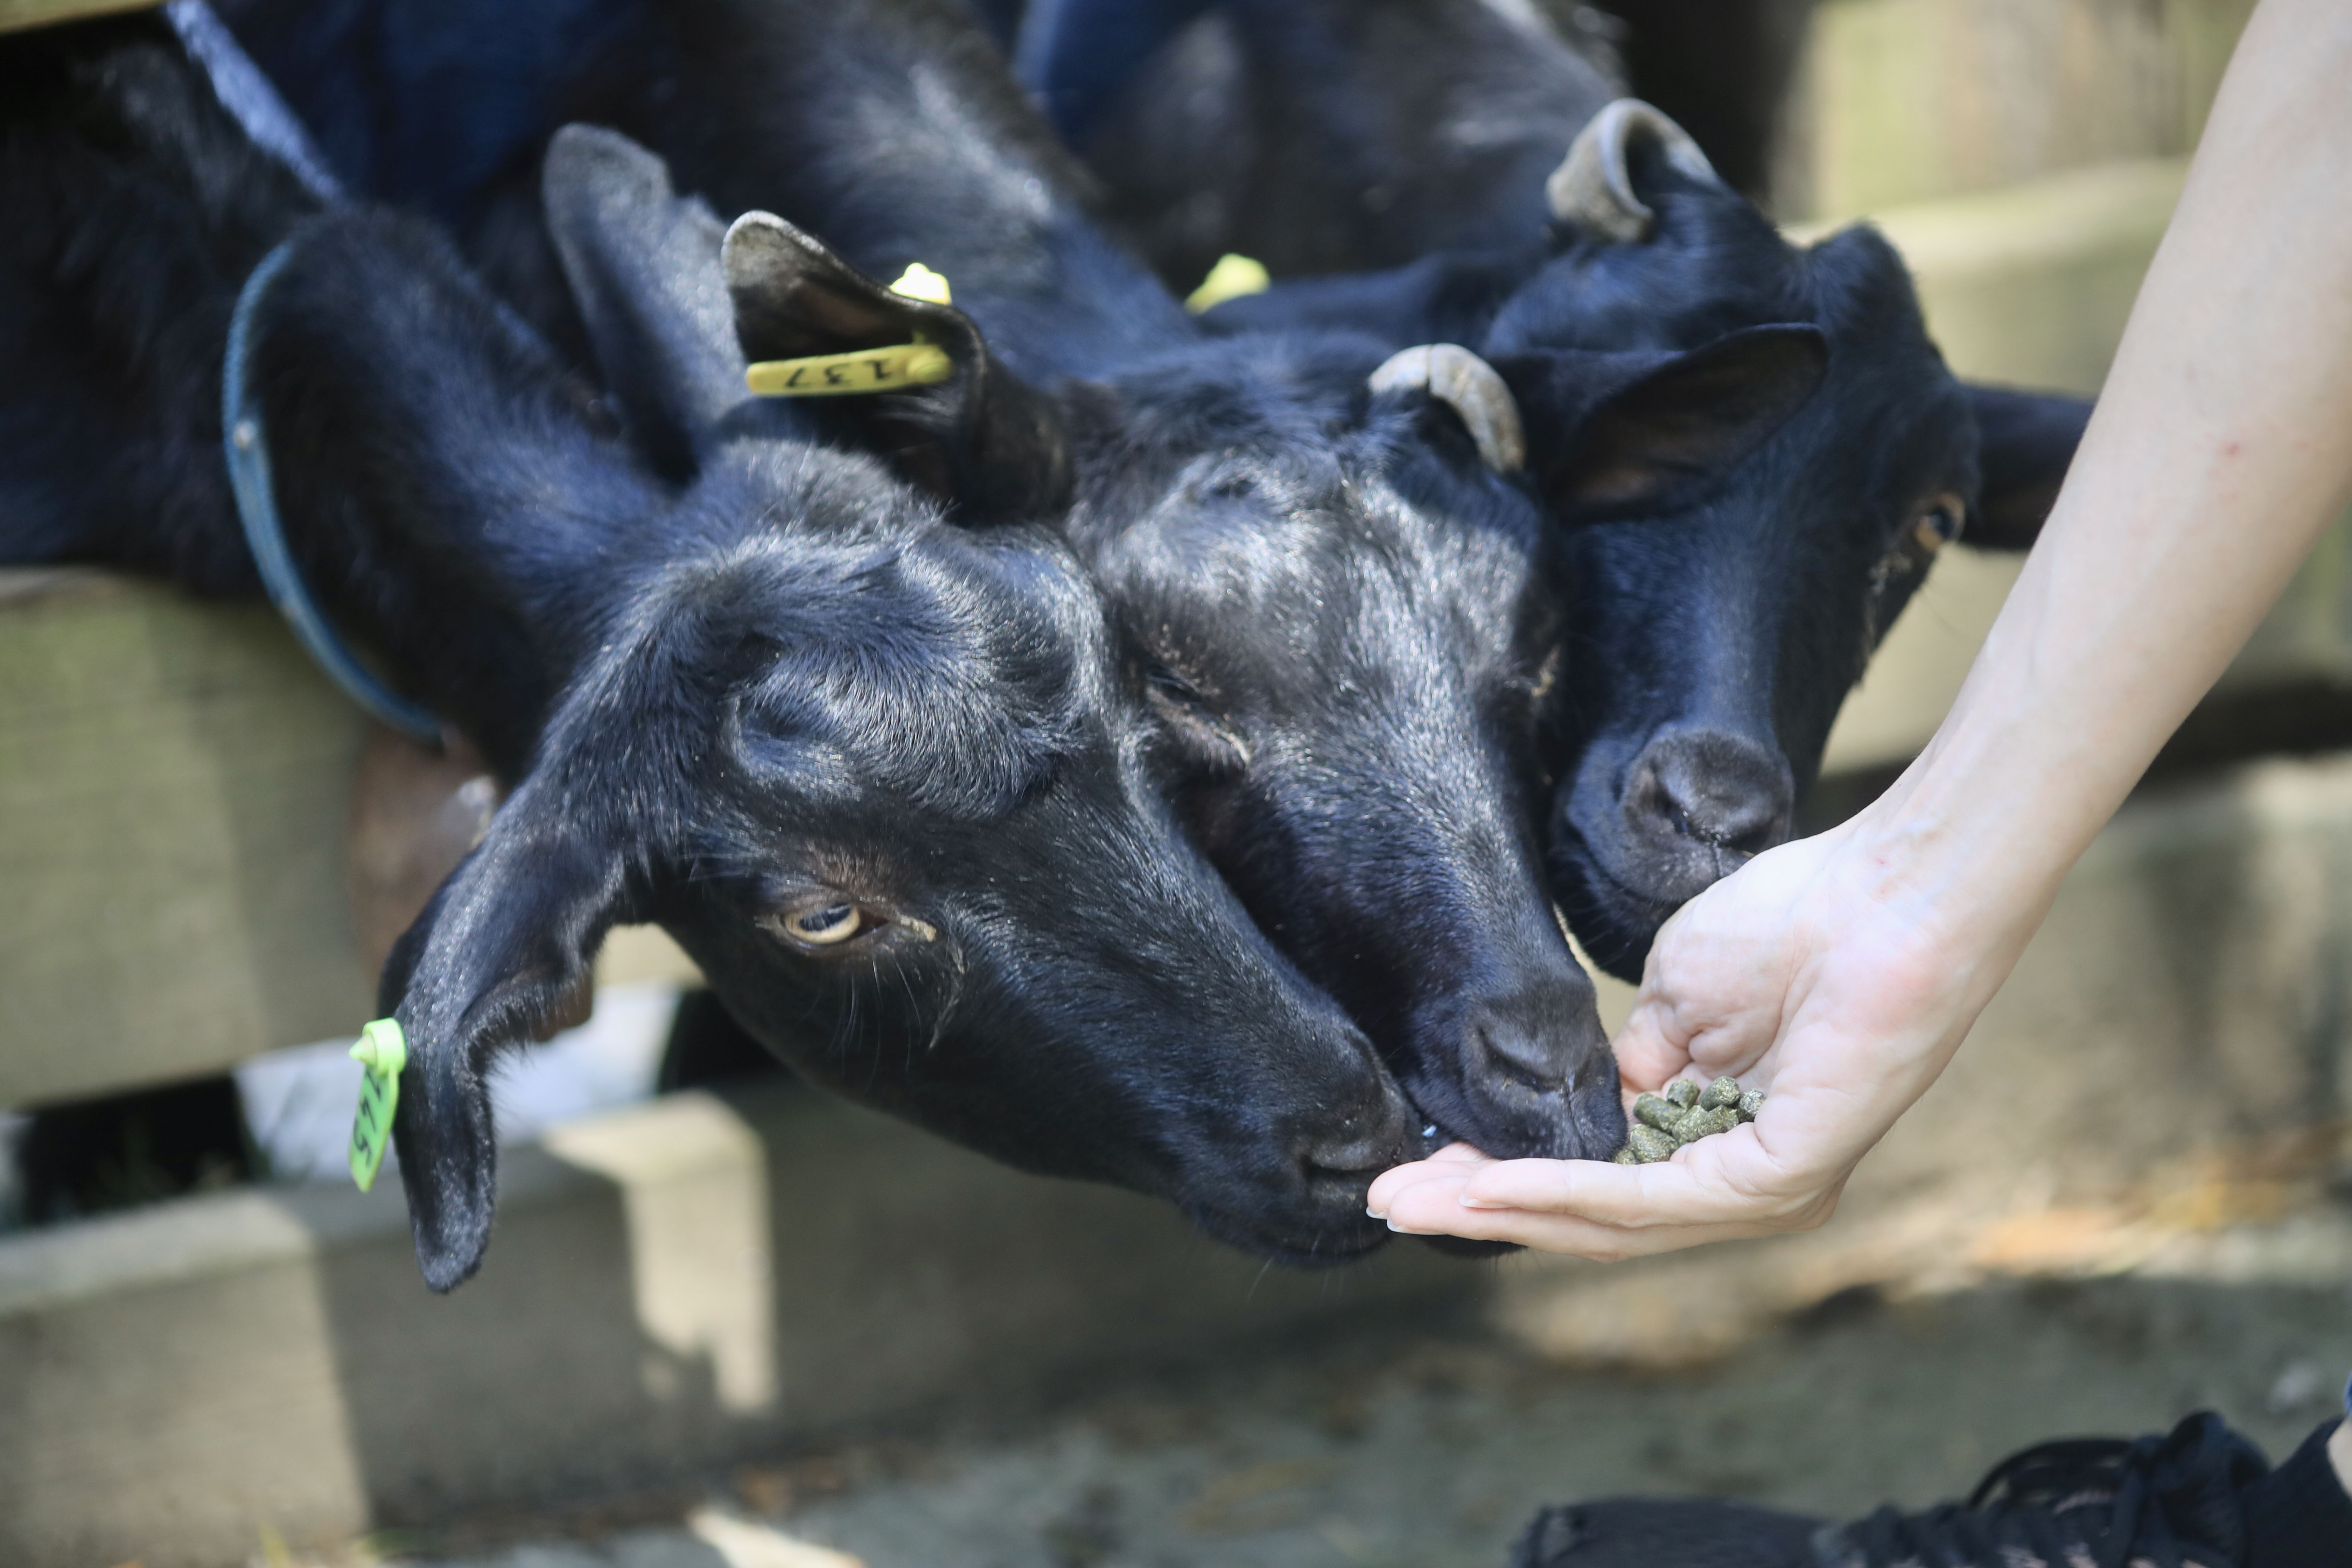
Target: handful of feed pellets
<point>1684,1114</point>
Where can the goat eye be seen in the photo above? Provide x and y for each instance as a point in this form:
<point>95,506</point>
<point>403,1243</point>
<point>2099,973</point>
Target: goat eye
<point>1185,712</point>
<point>1938,524</point>
<point>834,922</point>
<point>1166,686</point>
<point>823,924</point>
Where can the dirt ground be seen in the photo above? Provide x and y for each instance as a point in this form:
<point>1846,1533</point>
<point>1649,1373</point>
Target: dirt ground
<point>1429,1443</point>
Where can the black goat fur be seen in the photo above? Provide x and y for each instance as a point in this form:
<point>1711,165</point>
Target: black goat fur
<point>773,681</point>
<point>1400,148</point>
<point>1340,618</point>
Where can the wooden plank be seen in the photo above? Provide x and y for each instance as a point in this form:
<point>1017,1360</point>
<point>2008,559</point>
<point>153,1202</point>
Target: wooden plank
<point>172,794</point>
<point>18,15</point>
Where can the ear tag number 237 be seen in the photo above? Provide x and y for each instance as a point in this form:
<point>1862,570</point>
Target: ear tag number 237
<point>890,369</point>
<point>382,1050</point>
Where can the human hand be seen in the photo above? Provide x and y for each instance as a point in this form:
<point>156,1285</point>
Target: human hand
<point>1840,972</point>
<point>1811,972</point>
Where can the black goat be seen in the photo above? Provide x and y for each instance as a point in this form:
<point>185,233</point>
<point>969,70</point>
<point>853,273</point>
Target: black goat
<point>1785,450</point>
<point>872,770</point>
<point>1342,615</point>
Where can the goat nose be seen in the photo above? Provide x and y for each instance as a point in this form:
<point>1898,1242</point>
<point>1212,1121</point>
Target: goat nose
<point>1522,1044</point>
<point>1724,790</point>
<point>1351,1158</point>
<point>1354,1148</point>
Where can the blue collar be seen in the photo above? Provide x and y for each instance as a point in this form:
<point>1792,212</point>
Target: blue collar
<point>247,448</point>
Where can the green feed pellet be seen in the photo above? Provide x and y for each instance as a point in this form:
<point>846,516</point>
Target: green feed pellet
<point>1683,1114</point>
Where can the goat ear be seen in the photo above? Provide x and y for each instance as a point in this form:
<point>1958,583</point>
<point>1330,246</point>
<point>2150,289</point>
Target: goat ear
<point>643,263</point>
<point>507,938</point>
<point>1627,433</point>
<point>982,439</point>
<point>2026,439</point>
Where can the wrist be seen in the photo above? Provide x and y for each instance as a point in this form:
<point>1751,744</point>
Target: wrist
<point>1979,831</point>
<point>1970,877</point>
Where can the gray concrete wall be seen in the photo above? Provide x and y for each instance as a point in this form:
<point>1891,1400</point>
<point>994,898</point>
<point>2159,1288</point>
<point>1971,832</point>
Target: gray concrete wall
<point>172,785</point>
<point>1897,101</point>
<point>669,1285</point>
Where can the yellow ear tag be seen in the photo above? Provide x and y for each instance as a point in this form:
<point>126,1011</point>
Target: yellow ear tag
<point>1232,276</point>
<point>917,363</point>
<point>382,1050</point>
<point>920,282</point>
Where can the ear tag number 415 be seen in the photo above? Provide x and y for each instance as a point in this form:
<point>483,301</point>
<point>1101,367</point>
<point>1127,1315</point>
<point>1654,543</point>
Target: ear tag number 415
<point>382,1050</point>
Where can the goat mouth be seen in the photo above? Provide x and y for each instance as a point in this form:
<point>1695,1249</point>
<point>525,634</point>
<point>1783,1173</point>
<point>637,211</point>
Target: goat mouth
<point>1529,1126</point>
<point>1342,1244</point>
<point>1436,1135</point>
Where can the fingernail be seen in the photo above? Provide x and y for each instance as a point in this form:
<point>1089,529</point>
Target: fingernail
<point>1376,1214</point>
<point>1467,1202</point>
<point>1399,1229</point>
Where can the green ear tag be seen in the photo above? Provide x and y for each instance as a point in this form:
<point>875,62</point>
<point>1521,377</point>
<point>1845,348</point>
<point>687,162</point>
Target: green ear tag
<point>383,1051</point>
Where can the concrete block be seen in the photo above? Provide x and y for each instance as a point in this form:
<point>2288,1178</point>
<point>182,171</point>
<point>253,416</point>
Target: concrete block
<point>1906,100</point>
<point>173,793</point>
<point>2032,283</point>
<point>669,1284</point>
<point>637,955</point>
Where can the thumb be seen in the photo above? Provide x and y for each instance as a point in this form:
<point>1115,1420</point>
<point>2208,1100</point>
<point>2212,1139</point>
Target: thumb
<point>1650,1048</point>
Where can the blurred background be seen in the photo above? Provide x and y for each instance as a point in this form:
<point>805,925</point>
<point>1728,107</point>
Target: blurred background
<point>739,1324</point>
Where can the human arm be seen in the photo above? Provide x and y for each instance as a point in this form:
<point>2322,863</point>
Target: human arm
<point>1840,972</point>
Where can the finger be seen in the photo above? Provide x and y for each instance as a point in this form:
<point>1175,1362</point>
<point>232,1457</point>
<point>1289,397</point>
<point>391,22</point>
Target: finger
<point>1435,1207</point>
<point>1389,1184</point>
<point>1429,1207</point>
<point>1646,1054</point>
<point>1461,1154</point>
<point>1631,1196</point>
<point>1728,1182</point>
<point>1578,1237</point>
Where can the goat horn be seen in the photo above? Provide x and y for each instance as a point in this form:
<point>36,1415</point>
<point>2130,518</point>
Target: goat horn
<point>1472,388</point>
<point>1592,188</point>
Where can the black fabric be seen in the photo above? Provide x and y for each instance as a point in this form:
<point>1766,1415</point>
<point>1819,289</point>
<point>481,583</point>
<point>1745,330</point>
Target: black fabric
<point>2170,1501</point>
<point>2298,1516</point>
<point>1665,1532</point>
<point>2199,1495</point>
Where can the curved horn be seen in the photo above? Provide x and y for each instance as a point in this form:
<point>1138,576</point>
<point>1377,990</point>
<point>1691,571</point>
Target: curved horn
<point>1472,388</point>
<point>1592,188</point>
